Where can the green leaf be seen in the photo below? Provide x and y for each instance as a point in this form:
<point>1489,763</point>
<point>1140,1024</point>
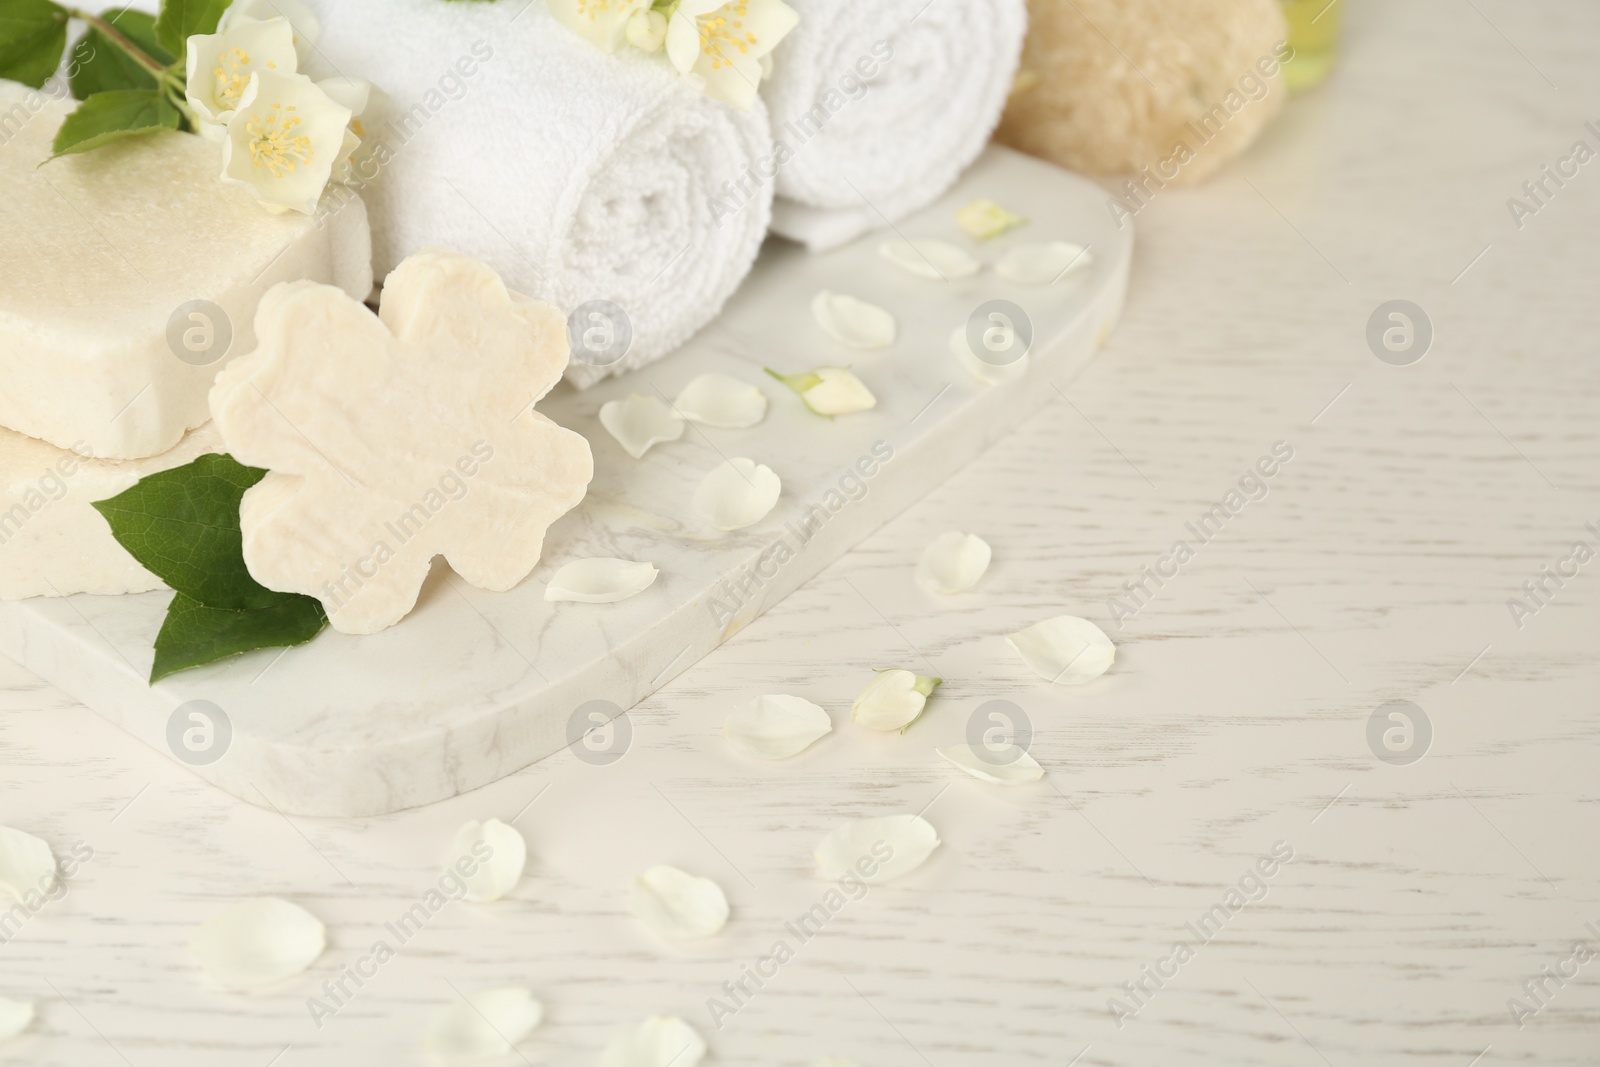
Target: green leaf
<point>106,117</point>
<point>181,19</point>
<point>33,36</point>
<point>183,526</point>
<point>99,66</point>
<point>194,635</point>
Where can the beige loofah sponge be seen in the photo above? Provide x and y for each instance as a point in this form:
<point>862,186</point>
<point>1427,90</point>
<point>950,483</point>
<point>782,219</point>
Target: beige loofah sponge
<point>1176,86</point>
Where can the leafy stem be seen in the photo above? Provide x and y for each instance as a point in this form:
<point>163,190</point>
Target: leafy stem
<point>121,40</point>
<point>169,80</point>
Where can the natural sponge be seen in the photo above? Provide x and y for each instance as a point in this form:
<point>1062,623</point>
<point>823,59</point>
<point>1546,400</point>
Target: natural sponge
<point>1176,86</point>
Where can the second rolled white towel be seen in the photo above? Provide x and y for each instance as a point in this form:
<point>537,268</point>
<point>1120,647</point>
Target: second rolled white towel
<point>882,105</point>
<point>578,176</point>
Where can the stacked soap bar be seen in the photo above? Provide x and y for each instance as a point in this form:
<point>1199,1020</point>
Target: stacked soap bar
<point>52,540</point>
<point>129,276</point>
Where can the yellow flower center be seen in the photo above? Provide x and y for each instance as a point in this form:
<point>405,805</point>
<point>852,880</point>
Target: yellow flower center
<point>593,9</point>
<point>231,75</point>
<point>276,144</point>
<point>723,30</point>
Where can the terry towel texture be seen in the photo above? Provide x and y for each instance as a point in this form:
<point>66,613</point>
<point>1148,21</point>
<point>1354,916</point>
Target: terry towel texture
<point>578,176</point>
<point>873,146</point>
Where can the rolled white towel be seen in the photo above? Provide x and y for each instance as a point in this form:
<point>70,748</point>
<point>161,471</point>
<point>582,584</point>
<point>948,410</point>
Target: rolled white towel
<point>882,105</point>
<point>578,176</point>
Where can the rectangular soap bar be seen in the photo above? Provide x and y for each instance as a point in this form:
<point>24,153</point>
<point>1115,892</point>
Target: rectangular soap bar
<point>52,540</point>
<point>130,274</point>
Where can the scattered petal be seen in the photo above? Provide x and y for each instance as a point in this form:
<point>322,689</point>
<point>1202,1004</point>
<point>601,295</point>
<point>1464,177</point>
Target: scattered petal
<point>720,401</point>
<point>983,369</point>
<point>677,905</point>
<point>1002,764</point>
<point>489,857</point>
<point>954,562</point>
<point>776,726</point>
<point>853,322</point>
<point>830,390</point>
<point>737,494</point>
<point>877,850</point>
<point>1043,264</point>
<point>600,580</point>
<point>257,943</point>
<point>984,219</point>
<point>928,257</point>
<point>26,864</point>
<point>487,1024</point>
<point>893,700</point>
<point>639,421</point>
<point>659,1041</point>
<point>1065,649</point>
<point>15,1015</point>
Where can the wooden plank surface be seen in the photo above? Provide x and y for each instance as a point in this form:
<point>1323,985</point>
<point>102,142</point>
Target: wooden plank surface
<point>1418,501</point>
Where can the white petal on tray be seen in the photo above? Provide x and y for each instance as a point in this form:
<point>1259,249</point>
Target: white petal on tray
<point>26,864</point>
<point>1065,649</point>
<point>677,905</point>
<point>15,1015</point>
<point>1002,764</point>
<point>600,580</point>
<point>721,401</point>
<point>853,322</point>
<point>928,257</point>
<point>257,943</point>
<point>982,369</point>
<point>639,422</point>
<point>737,494</point>
<point>657,1042</point>
<point>489,857</point>
<point>776,726</point>
<point>492,1024</point>
<point>893,700</point>
<point>877,850</point>
<point>954,562</point>
<point>1043,264</point>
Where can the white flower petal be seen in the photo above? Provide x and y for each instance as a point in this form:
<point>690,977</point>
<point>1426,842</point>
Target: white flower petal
<point>737,494</point>
<point>928,257</point>
<point>853,322</point>
<point>720,401</point>
<point>677,905</point>
<point>257,943</point>
<point>838,392</point>
<point>1065,649</point>
<point>15,1015</point>
<point>27,866</point>
<point>600,580</point>
<point>489,857</point>
<point>492,1024</point>
<point>984,219</point>
<point>639,421</point>
<point>877,850</point>
<point>982,369</point>
<point>306,27</point>
<point>893,700</point>
<point>1043,264</point>
<point>657,1042</point>
<point>776,726</point>
<point>954,562</point>
<point>1002,764</point>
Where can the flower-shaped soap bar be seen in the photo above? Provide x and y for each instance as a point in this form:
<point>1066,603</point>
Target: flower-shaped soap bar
<point>397,438</point>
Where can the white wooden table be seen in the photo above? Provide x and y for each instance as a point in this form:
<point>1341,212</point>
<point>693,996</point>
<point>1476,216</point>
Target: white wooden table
<point>1419,499</point>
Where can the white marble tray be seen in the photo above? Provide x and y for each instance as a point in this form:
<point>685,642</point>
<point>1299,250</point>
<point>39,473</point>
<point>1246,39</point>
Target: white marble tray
<point>474,686</point>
